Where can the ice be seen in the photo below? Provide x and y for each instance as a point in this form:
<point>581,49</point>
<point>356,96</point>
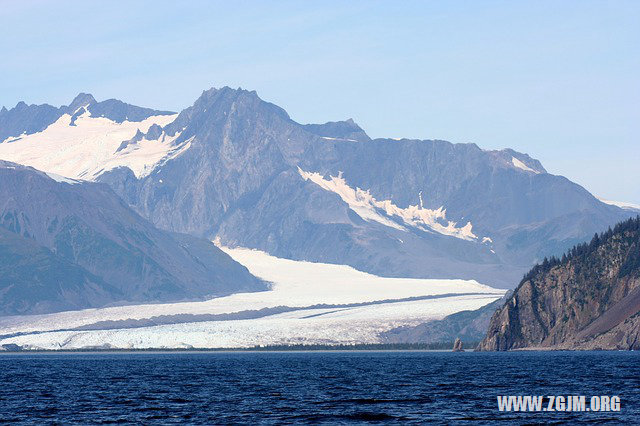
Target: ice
<point>347,326</point>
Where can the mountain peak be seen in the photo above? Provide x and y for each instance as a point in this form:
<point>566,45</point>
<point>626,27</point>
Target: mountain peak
<point>82,100</point>
<point>226,100</point>
<point>227,92</point>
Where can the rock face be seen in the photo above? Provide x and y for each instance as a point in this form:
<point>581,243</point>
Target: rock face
<point>590,299</point>
<point>457,345</point>
<point>68,244</point>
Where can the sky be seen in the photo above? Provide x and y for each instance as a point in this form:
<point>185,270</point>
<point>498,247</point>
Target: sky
<point>559,80</point>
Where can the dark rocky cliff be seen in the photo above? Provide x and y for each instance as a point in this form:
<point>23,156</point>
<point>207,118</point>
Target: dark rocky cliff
<point>589,299</point>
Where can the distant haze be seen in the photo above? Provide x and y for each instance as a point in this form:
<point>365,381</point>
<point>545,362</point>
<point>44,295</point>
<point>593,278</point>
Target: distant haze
<point>557,80</point>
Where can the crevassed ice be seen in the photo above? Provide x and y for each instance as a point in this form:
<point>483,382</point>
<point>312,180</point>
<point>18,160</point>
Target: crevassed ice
<point>88,148</point>
<point>370,209</point>
<point>316,326</point>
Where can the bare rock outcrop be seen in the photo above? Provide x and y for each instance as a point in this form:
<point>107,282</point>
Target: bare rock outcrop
<point>457,345</point>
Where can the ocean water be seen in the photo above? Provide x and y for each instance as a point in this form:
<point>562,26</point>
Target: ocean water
<point>308,387</point>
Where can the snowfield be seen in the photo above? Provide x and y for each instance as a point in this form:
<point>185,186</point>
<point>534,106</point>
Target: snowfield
<point>89,147</point>
<point>311,303</point>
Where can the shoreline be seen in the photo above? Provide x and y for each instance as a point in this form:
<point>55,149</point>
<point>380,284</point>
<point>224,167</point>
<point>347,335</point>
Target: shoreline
<point>439,347</point>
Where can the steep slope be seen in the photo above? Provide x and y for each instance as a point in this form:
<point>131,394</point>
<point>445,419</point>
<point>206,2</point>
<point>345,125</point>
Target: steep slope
<point>110,253</point>
<point>35,280</point>
<point>590,299</point>
<point>237,168</point>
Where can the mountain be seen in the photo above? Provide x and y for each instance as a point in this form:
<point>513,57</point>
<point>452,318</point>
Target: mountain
<point>253,177</point>
<point>235,168</point>
<point>70,244</point>
<point>589,299</point>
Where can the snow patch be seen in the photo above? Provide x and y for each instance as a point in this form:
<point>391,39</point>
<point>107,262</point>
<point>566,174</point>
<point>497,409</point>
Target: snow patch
<point>520,165</point>
<point>370,209</point>
<point>338,139</point>
<point>622,204</point>
<point>62,179</point>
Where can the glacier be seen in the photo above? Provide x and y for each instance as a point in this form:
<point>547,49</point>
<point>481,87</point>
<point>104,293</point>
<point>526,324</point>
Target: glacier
<point>83,147</point>
<point>313,303</point>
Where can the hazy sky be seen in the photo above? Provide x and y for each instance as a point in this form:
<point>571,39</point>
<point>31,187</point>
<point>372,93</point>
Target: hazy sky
<point>559,80</point>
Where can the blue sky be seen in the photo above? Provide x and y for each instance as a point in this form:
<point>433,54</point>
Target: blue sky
<point>559,80</point>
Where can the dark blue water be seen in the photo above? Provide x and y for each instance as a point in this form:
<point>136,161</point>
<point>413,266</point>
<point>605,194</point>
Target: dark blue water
<point>308,387</point>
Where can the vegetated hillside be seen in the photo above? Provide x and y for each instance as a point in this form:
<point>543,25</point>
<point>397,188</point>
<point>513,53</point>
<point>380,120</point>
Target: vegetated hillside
<point>68,244</point>
<point>588,299</point>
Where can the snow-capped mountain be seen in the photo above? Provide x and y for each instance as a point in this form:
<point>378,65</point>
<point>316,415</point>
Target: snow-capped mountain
<point>237,168</point>
<point>84,139</point>
<point>26,119</point>
<point>70,244</point>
